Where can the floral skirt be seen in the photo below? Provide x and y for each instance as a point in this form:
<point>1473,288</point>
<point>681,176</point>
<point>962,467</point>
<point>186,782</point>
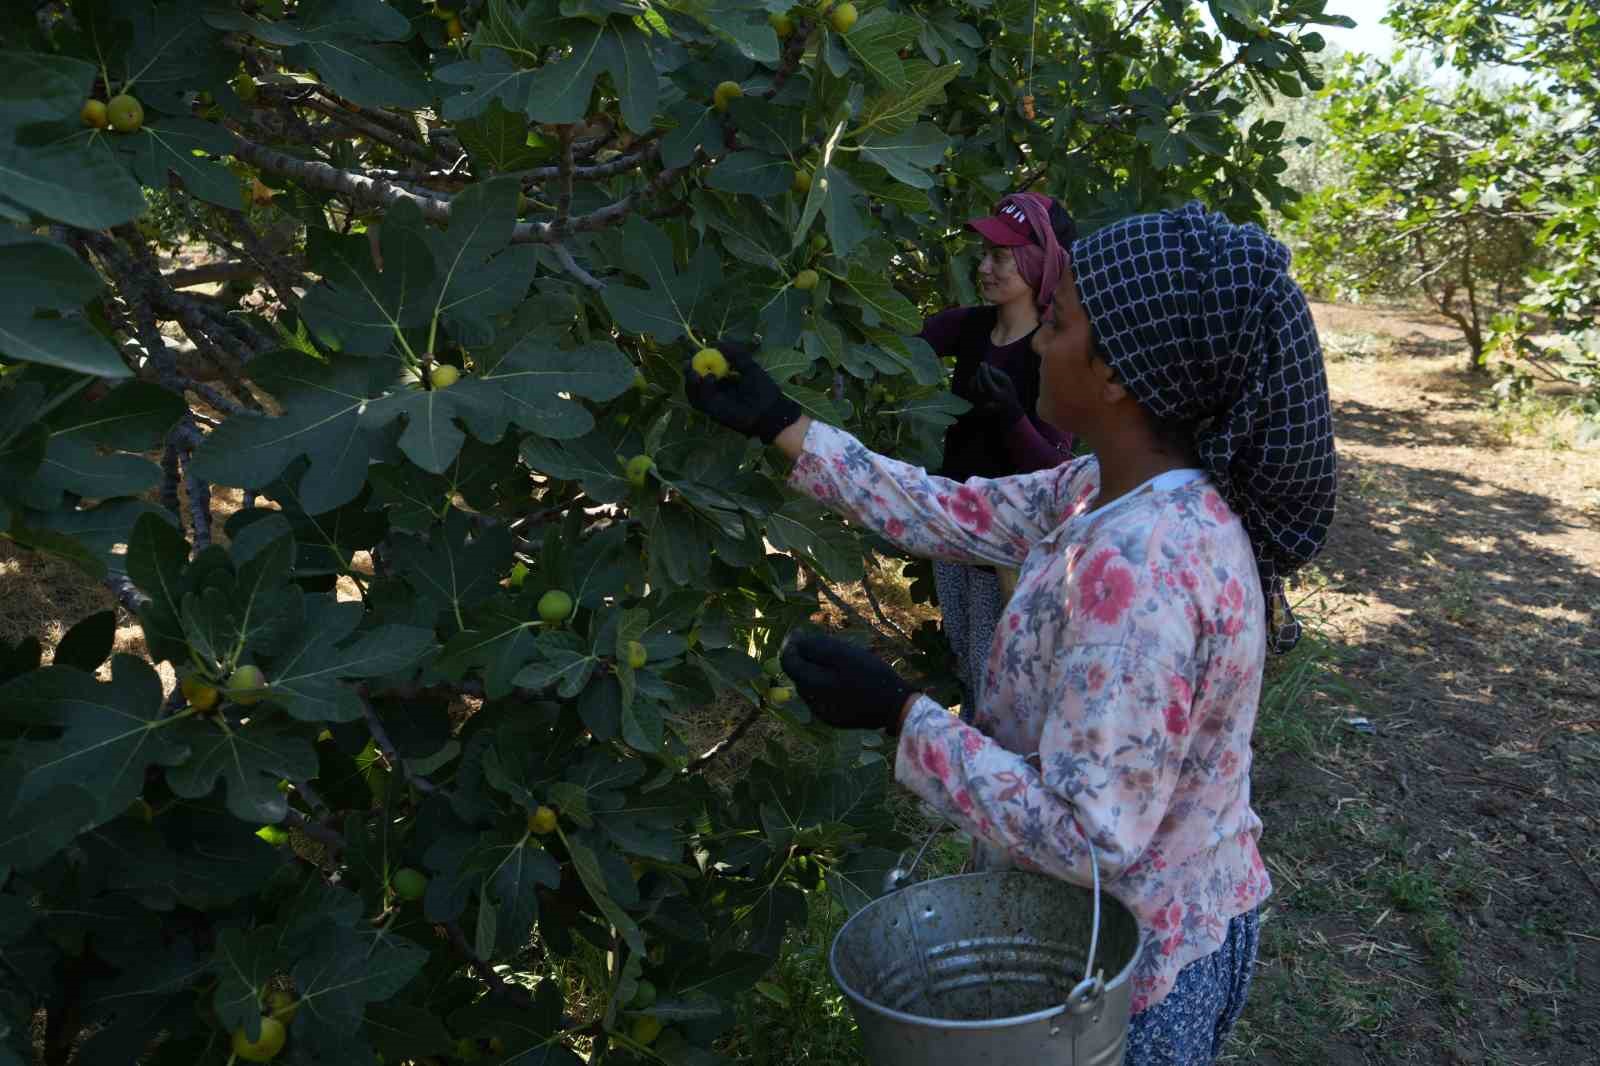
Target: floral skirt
<point>971,600</point>
<point>1190,1024</point>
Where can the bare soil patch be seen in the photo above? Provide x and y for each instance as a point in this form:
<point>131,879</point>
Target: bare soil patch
<point>1438,882</point>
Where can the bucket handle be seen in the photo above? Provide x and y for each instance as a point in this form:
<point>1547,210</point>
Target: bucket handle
<point>1086,994</point>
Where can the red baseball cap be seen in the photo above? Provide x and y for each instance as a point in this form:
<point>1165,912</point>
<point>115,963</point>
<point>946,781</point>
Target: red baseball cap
<point>1007,227</point>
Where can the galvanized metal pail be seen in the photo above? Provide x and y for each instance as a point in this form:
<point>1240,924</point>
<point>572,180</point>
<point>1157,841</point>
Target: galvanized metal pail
<point>989,969</point>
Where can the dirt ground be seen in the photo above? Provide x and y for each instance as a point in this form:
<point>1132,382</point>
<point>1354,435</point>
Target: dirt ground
<point>1428,761</point>
<point>1438,878</point>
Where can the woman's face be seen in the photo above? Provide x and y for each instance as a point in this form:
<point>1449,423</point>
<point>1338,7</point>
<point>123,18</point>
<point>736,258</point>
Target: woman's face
<point>999,278</point>
<point>1070,378</point>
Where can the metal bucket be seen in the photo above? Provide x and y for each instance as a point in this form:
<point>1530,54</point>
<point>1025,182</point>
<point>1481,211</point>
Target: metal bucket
<point>989,969</point>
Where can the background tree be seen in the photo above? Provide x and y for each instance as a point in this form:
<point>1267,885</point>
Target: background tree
<point>487,560</point>
<point>1512,157</point>
<point>1426,202</point>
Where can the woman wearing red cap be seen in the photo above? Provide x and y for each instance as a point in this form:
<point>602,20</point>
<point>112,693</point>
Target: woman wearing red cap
<point>997,372</point>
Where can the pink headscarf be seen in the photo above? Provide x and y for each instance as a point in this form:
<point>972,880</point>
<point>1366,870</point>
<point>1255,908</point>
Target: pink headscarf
<point>1039,256</point>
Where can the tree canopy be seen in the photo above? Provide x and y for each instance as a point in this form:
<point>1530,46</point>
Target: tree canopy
<point>412,718</point>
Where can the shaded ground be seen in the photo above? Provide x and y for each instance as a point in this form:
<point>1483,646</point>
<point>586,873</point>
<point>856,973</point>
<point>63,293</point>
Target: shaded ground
<point>1438,882</point>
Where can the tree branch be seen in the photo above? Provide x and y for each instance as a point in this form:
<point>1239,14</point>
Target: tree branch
<point>866,587</point>
<point>198,322</point>
<point>794,50</point>
<point>354,122</point>
<point>171,474</point>
<point>610,215</point>
<point>856,617</point>
<point>356,187</point>
<point>211,273</point>
<point>596,171</point>
<point>564,196</point>
<point>1133,20</point>
<point>701,761</point>
<point>498,985</point>
<point>380,737</point>
<point>199,506</point>
<point>266,256</point>
<point>126,592</point>
<point>570,265</point>
<point>330,838</point>
<point>363,189</point>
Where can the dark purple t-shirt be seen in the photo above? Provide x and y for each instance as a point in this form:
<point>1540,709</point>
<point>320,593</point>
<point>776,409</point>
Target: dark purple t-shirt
<point>1031,444</point>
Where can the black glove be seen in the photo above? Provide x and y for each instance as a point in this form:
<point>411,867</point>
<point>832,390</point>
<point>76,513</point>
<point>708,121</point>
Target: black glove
<point>994,394</point>
<point>845,684</point>
<point>747,401</point>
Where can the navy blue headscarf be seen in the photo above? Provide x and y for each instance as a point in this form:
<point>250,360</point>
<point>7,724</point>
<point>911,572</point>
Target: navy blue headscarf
<point>1202,324</point>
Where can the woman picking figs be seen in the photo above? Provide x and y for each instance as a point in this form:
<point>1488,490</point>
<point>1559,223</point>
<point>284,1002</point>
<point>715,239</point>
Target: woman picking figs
<point>1119,701</point>
<point>997,371</point>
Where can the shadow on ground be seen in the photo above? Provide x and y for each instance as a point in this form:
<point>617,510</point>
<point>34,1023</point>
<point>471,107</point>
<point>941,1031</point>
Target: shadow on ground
<point>1437,882</point>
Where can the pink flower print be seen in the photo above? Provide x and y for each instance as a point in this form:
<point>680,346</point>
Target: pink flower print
<point>970,510</point>
<point>1218,510</point>
<point>971,741</point>
<point>1107,587</point>
<point>1177,719</point>
<point>1229,763</point>
<point>1232,595</point>
<point>1016,785</point>
<point>1187,579</point>
<point>1014,622</point>
<point>1172,943</point>
<point>1168,917</point>
<point>935,761</point>
<point>1233,626</point>
<point>894,527</point>
<point>1142,987</point>
<point>963,801</point>
<point>1182,691</point>
<point>1096,676</point>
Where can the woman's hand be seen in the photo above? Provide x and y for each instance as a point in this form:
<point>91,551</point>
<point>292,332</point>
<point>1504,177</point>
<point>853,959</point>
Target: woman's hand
<point>746,399</point>
<point>994,395</point>
<point>846,685</point>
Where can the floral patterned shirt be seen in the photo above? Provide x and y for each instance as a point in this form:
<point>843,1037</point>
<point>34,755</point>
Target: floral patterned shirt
<point>1119,696</point>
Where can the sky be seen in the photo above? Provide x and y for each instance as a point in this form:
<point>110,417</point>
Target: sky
<point>1370,35</point>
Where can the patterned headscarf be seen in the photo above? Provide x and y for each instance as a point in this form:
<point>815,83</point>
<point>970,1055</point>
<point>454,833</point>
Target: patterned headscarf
<point>1202,323</point>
